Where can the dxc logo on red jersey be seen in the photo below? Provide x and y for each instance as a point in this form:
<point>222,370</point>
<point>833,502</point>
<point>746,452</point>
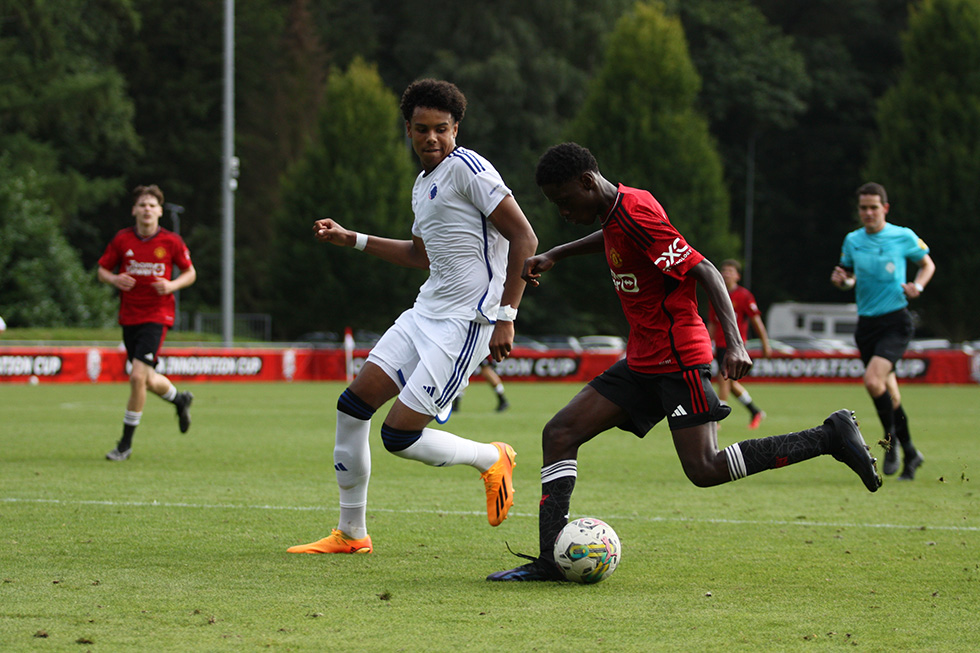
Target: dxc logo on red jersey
<point>625,282</point>
<point>677,252</point>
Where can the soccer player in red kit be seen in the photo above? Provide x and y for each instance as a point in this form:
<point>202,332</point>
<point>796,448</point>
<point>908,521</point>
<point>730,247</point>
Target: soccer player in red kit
<point>139,262</point>
<point>666,371</point>
<point>746,312</point>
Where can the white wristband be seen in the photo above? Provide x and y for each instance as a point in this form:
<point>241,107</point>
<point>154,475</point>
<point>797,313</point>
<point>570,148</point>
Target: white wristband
<point>361,242</point>
<point>919,287</point>
<point>506,314</point>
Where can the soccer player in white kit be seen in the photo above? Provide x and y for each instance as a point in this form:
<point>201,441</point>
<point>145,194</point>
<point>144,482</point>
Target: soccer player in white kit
<point>472,236</point>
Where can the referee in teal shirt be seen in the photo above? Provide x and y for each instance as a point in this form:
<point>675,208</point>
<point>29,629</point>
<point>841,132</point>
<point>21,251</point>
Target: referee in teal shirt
<point>873,263</point>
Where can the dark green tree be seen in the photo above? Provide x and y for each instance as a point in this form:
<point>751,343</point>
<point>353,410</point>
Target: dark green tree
<point>42,281</point>
<point>279,99</point>
<point>807,176</point>
<point>640,120</point>
<point>358,171</point>
<point>64,110</point>
<point>925,154</point>
<point>755,86</point>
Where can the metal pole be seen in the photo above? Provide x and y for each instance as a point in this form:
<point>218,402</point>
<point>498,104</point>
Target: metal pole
<point>175,210</point>
<point>229,183</point>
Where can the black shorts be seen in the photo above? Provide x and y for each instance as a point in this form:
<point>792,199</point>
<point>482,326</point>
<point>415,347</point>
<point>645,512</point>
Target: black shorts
<point>685,398</point>
<point>143,341</point>
<point>885,335</point>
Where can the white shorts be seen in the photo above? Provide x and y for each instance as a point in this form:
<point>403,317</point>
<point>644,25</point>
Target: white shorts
<point>431,360</point>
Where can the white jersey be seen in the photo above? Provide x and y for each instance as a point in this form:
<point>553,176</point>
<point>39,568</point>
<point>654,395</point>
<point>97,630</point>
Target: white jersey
<point>467,255</point>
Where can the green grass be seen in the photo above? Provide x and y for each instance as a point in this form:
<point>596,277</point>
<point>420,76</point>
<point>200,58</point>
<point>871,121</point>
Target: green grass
<point>183,546</point>
<point>113,334</point>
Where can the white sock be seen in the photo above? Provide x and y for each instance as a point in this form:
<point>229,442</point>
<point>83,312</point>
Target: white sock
<point>132,417</point>
<point>745,398</point>
<point>170,394</point>
<point>442,449</point>
<point>499,389</point>
<point>352,465</point>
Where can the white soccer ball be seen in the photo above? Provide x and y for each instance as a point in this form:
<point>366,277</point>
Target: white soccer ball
<point>587,550</point>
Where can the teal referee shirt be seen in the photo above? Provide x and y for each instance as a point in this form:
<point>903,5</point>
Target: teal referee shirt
<point>879,262</point>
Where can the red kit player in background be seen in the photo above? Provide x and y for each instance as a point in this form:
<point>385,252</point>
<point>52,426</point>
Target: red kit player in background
<point>139,261</point>
<point>746,312</point>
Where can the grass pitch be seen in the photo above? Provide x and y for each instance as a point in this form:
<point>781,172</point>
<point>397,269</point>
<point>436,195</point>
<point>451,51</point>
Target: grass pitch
<point>183,546</point>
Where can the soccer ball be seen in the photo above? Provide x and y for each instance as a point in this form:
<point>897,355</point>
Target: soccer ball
<point>587,550</point>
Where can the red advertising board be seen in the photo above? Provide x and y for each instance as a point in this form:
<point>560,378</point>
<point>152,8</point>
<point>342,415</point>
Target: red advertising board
<point>21,364</point>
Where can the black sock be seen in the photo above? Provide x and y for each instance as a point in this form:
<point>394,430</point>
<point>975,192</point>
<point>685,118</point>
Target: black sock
<point>902,432</point>
<point>126,441</point>
<point>886,413</point>
<point>556,496</point>
<point>752,456</point>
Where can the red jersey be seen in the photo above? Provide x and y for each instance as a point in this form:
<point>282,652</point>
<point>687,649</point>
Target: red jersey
<point>649,261</point>
<point>743,301</point>
<point>146,260</point>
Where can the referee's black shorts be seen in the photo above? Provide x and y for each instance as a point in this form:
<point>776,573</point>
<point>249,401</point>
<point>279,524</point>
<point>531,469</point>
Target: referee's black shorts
<point>885,335</point>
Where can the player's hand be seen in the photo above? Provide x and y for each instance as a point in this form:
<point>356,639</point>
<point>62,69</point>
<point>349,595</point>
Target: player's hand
<point>502,340</point>
<point>910,290</point>
<point>839,277</point>
<point>736,363</point>
<point>329,231</point>
<point>535,266</point>
<point>124,282</point>
<point>162,286</point>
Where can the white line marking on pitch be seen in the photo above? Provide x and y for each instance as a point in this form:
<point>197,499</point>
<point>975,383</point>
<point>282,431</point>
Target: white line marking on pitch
<point>697,520</point>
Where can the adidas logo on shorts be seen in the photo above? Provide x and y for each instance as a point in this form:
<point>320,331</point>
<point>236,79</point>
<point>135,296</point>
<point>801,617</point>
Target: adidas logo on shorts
<point>679,411</point>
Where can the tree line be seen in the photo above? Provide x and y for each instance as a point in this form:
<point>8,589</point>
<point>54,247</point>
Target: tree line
<point>732,112</point>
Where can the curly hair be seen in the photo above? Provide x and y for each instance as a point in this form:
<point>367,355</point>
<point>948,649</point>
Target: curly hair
<point>152,189</point>
<point>433,94</point>
<point>564,162</point>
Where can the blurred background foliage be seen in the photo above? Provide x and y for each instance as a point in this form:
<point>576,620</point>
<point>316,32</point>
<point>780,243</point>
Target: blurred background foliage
<point>732,112</point>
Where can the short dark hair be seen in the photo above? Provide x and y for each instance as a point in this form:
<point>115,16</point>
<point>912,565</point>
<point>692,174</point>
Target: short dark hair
<point>563,163</point>
<point>152,189</point>
<point>730,262</point>
<point>871,188</point>
<point>433,94</point>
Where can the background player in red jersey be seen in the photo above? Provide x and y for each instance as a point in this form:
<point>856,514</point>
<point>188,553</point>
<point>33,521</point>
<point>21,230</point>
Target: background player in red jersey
<point>144,256</point>
<point>746,312</point>
<point>666,372</point>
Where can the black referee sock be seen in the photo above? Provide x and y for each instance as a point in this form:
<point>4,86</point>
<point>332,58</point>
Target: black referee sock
<point>886,413</point>
<point>902,433</point>
<point>556,496</point>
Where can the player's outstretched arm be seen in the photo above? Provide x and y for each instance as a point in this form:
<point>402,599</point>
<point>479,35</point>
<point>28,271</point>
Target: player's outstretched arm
<point>406,253</point>
<point>737,362</point>
<point>536,265</point>
<point>513,225</point>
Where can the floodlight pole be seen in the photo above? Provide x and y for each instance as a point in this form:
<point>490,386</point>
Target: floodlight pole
<point>175,210</point>
<point>229,180</point>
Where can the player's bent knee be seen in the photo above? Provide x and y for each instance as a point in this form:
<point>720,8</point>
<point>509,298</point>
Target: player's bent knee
<point>703,473</point>
<point>397,440</point>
